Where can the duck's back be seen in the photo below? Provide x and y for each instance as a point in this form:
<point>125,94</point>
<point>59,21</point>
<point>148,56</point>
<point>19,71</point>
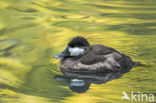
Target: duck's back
<point>102,50</point>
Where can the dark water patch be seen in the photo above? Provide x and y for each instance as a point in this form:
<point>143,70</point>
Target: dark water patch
<point>54,8</point>
<point>13,29</point>
<point>142,4</point>
<point>137,29</point>
<point>143,16</point>
<point>2,95</point>
<point>121,8</point>
<point>70,17</point>
<point>148,51</point>
<point>139,64</point>
<point>22,10</point>
<point>5,86</point>
<point>59,9</point>
<point>7,46</point>
<point>132,3</point>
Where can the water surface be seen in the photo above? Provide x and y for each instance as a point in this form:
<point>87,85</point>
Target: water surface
<point>33,31</point>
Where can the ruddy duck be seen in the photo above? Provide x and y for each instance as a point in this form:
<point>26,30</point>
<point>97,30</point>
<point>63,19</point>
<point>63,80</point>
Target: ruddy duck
<point>80,56</point>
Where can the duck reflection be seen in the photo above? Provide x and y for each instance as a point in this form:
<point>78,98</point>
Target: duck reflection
<point>80,82</point>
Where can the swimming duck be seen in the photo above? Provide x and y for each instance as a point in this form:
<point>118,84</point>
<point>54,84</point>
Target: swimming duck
<point>80,56</point>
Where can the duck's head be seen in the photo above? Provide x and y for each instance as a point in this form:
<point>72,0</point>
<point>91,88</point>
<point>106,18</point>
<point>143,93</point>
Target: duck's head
<point>76,47</point>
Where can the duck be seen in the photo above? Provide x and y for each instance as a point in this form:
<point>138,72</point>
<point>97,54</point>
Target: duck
<point>80,56</point>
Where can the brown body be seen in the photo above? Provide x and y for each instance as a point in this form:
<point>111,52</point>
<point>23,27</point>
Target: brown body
<point>99,59</point>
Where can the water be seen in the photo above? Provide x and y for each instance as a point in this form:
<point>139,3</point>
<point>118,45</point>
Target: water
<point>33,31</point>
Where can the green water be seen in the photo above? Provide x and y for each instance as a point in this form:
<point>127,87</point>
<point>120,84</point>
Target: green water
<point>33,31</point>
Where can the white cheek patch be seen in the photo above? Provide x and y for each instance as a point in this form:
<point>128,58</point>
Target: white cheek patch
<point>76,51</point>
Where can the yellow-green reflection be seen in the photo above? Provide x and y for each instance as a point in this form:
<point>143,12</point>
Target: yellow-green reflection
<point>33,31</point>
